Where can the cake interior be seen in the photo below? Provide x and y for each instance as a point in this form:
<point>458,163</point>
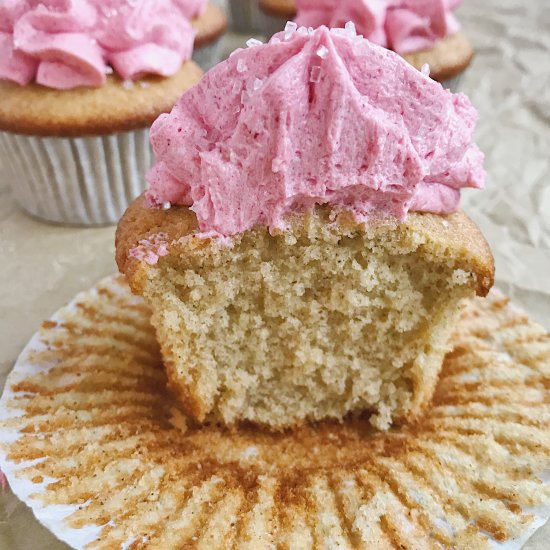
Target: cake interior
<point>315,322</point>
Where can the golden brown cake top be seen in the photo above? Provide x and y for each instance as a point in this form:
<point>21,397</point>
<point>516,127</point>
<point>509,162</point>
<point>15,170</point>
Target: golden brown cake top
<point>279,8</point>
<point>115,107</point>
<point>456,233</point>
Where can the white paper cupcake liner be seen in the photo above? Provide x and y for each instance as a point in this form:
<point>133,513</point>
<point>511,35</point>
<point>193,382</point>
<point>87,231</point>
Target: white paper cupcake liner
<point>92,440</point>
<point>77,181</point>
<point>209,55</point>
<point>245,15</point>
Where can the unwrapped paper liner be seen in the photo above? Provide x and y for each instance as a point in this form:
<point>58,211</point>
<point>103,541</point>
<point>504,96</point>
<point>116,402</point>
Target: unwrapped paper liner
<point>111,297</point>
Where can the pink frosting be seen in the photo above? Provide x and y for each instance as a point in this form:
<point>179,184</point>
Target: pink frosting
<point>68,43</point>
<point>151,249</point>
<point>402,25</point>
<point>313,117</point>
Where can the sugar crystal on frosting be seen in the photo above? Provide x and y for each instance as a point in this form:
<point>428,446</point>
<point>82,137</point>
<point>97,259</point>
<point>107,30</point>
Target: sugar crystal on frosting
<point>315,74</point>
<point>322,52</point>
<point>291,26</point>
<point>350,28</point>
<point>241,66</point>
<point>258,83</point>
<point>253,42</point>
<point>290,29</point>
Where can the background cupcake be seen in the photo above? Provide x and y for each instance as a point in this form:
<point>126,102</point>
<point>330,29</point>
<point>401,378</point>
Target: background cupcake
<point>422,32</point>
<point>80,83</point>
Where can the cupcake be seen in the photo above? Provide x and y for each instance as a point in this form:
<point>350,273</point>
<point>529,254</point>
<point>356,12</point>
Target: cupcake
<point>300,243</point>
<point>80,84</point>
<point>424,33</point>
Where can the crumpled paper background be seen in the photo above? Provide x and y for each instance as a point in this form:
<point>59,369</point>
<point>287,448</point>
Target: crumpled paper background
<point>44,266</point>
<point>510,85</point>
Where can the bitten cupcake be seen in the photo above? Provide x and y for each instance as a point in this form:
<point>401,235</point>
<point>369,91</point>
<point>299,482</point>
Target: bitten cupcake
<point>300,243</point>
<point>80,83</point>
<point>424,33</point>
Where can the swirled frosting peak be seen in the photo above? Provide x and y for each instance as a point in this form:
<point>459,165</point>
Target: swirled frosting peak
<point>402,25</point>
<point>313,117</point>
<point>68,43</point>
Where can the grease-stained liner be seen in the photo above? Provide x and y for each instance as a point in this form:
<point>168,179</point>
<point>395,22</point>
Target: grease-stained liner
<point>93,442</point>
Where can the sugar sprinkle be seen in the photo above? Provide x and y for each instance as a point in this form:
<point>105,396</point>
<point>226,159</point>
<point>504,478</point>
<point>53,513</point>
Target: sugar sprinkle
<point>241,66</point>
<point>290,29</point>
<point>322,52</point>
<point>253,42</point>
<point>350,28</point>
<point>258,83</point>
<point>315,74</point>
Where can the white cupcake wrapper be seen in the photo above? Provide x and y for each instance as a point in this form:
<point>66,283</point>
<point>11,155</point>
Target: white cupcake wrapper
<point>77,181</point>
<point>209,55</point>
<point>245,15</point>
<point>111,310</point>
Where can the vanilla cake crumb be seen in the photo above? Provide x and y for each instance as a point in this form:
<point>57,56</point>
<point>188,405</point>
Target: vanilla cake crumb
<point>318,321</point>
